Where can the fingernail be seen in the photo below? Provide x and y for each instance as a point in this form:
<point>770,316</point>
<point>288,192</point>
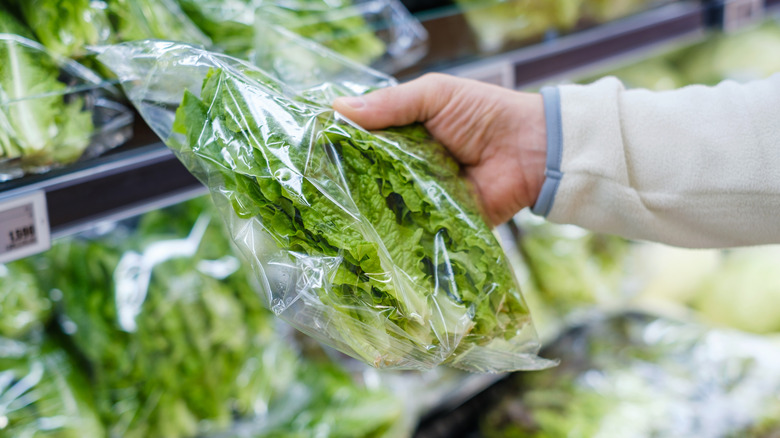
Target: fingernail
<point>353,102</point>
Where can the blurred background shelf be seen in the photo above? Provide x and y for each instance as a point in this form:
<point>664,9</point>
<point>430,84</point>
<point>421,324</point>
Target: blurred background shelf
<point>141,176</point>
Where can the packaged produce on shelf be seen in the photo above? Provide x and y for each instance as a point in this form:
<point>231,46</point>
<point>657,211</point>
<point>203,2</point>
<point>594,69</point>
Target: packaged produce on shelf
<point>747,55</point>
<point>53,111</point>
<point>176,344</point>
<point>568,272</point>
<point>377,32</point>
<point>66,28</point>
<point>43,393</point>
<point>497,22</point>
<point>153,19</point>
<point>735,288</point>
<point>23,305</point>
<point>640,376</point>
<point>607,10</point>
<point>370,242</point>
<point>170,326</point>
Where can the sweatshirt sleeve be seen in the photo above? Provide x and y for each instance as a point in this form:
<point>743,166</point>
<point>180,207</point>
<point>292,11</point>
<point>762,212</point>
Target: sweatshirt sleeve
<point>696,167</point>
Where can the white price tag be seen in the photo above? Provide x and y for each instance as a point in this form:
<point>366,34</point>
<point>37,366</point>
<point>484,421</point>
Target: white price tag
<point>24,226</point>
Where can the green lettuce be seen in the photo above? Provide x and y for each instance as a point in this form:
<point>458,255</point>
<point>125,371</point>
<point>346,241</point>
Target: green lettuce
<point>43,393</point>
<point>631,375</point>
<point>153,19</point>
<point>23,305</point>
<point>337,25</point>
<point>414,275</point>
<point>192,349</point>
<point>39,123</point>
<point>66,28</point>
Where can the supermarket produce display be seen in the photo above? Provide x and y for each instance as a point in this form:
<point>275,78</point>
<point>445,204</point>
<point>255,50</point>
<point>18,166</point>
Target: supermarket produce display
<point>642,376</point>
<point>156,326</point>
<point>170,331</point>
<point>52,111</point>
<point>569,272</point>
<point>379,32</point>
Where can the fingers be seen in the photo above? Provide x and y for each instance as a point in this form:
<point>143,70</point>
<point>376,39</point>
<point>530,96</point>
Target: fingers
<point>417,101</point>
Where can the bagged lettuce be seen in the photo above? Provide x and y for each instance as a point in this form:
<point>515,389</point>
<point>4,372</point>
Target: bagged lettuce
<point>142,19</point>
<point>24,307</point>
<point>641,376</point>
<point>43,393</point>
<point>53,111</point>
<point>167,320</point>
<point>370,242</point>
<point>66,28</point>
<point>377,32</point>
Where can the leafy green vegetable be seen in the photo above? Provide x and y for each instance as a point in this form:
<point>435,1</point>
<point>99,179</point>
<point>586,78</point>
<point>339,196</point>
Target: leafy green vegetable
<point>325,401</point>
<point>174,333</point>
<point>644,377</point>
<point>39,122</point>
<point>43,393</point>
<point>337,25</point>
<point>497,22</point>
<point>341,28</point>
<point>67,27</point>
<point>742,292</point>
<point>571,268</point>
<point>414,275</point>
<point>229,24</point>
<point>23,305</point>
<point>153,19</point>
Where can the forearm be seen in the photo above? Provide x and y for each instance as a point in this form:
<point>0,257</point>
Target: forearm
<point>696,167</point>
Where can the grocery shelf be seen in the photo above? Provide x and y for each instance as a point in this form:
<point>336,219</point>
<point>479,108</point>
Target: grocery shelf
<point>557,56</point>
<point>145,175</point>
<point>130,181</point>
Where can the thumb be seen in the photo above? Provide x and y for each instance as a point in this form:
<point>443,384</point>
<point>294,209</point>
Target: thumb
<point>417,101</point>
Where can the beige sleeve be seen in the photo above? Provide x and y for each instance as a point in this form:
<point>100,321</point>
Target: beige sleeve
<point>694,167</point>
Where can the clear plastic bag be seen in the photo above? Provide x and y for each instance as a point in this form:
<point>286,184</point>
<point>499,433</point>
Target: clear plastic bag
<point>67,28</point>
<point>24,308</point>
<point>177,343</point>
<point>370,242</point>
<point>641,376</point>
<point>163,19</point>
<point>380,33</point>
<point>498,22</point>
<point>53,111</point>
<point>44,393</point>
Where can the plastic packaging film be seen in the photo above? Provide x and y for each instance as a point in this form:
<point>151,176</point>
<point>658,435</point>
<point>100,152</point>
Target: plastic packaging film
<point>641,376</point>
<point>159,316</point>
<point>381,33</point>
<point>53,111</point>
<point>43,393</point>
<point>370,242</point>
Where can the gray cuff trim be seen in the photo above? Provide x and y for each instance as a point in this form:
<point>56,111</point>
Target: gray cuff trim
<point>553,174</point>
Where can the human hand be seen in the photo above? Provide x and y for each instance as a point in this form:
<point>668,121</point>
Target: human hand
<point>498,135</point>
